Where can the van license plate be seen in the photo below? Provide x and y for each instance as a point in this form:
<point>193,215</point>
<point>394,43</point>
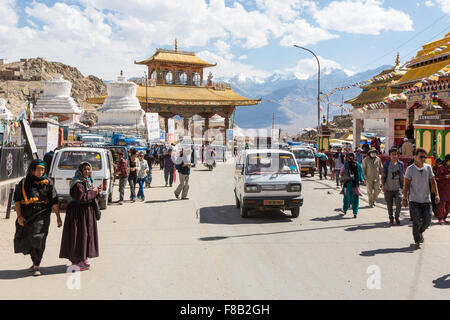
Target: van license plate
<point>305,169</point>
<point>273,202</point>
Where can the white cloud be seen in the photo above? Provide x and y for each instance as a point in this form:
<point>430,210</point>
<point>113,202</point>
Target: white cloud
<point>227,67</point>
<point>302,33</point>
<point>244,57</point>
<point>307,68</point>
<point>362,17</point>
<point>428,3</point>
<point>445,5</point>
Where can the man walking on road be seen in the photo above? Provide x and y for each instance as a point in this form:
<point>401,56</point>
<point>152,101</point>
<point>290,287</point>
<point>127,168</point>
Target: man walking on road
<point>322,163</point>
<point>337,163</point>
<point>183,165</point>
<point>372,169</point>
<point>122,169</point>
<point>392,184</point>
<point>418,178</point>
<point>169,167</point>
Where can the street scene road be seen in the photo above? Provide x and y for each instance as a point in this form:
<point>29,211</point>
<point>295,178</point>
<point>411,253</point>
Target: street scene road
<point>200,248</point>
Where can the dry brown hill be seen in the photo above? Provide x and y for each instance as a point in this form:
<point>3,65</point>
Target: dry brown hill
<point>16,91</point>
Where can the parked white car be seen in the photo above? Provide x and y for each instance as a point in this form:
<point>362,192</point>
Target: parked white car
<point>267,179</point>
<point>65,163</point>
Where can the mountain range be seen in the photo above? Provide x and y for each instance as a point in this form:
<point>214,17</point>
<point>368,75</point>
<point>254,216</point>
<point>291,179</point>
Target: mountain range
<point>291,100</point>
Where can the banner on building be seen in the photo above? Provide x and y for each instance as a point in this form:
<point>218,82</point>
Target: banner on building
<point>171,130</point>
<point>152,123</point>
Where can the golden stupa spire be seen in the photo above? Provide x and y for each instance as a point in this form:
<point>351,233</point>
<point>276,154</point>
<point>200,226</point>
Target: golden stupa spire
<point>397,61</point>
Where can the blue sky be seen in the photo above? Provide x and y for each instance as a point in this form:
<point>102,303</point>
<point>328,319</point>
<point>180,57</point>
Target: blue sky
<point>250,38</point>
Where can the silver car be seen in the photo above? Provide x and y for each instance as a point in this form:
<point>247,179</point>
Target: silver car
<point>306,160</point>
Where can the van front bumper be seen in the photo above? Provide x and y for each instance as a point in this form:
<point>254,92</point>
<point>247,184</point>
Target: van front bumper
<point>273,202</point>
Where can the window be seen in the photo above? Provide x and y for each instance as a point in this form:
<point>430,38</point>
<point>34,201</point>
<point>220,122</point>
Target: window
<point>196,79</point>
<point>153,75</point>
<point>168,77</point>
<point>302,154</point>
<point>182,78</point>
<point>266,163</point>
<point>70,160</point>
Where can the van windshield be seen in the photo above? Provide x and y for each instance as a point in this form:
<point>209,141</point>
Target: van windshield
<point>267,163</point>
<point>70,160</point>
<point>302,154</point>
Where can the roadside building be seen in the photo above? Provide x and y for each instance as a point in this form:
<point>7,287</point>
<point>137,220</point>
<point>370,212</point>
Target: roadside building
<point>428,97</point>
<point>393,113</point>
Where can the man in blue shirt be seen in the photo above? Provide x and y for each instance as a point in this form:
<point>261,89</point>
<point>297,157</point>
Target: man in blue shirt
<point>322,163</point>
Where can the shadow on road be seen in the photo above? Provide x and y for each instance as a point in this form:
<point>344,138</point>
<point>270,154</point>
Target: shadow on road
<point>161,201</point>
<point>369,226</point>
<point>212,238</point>
<point>371,253</point>
<point>45,271</point>
<point>442,282</point>
<point>230,215</point>
<point>332,218</point>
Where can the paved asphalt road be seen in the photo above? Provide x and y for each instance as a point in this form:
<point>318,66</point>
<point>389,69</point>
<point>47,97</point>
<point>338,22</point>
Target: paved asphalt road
<point>202,249</point>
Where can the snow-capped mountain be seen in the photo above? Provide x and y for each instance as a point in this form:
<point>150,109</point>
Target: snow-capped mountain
<point>293,101</point>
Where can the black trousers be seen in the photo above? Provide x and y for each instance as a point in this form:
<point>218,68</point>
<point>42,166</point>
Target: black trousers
<point>322,166</point>
<point>132,180</point>
<point>168,175</point>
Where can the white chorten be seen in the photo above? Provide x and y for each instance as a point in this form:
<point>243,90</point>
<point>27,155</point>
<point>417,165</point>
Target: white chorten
<point>5,114</point>
<point>57,102</point>
<point>121,107</point>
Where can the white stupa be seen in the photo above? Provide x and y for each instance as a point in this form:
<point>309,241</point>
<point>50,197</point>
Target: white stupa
<point>121,107</point>
<point>5,114</point>
<point>57,102</point>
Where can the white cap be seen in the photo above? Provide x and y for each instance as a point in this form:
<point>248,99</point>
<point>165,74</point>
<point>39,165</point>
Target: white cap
<point>405,139</point>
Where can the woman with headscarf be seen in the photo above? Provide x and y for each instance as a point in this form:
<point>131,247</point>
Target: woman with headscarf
<point>80,237</point>
<point>34,198</point>
<point>443,182</point>
<point>352,172</point>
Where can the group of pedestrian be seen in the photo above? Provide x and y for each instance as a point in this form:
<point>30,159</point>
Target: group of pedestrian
<point>417,186</point>
<point>135,171</point>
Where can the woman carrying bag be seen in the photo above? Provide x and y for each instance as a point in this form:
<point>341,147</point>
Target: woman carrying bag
<point>351,178</point>
<point>80,236</point>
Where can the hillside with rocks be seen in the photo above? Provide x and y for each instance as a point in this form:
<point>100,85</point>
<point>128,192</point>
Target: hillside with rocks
<point>16,91</point>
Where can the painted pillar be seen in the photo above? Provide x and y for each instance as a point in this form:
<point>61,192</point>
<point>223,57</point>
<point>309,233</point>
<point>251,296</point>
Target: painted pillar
<point>323,138</point>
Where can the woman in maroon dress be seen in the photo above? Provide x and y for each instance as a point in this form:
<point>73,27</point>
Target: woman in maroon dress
<point>80,237</point>
<point>443,182</point>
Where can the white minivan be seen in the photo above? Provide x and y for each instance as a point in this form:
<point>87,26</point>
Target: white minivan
<point>65,163</point>
<point>267,179</point>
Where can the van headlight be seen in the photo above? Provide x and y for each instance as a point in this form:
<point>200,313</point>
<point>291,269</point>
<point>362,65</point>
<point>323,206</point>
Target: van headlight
<point>294,188</point>
<point>252,188</point>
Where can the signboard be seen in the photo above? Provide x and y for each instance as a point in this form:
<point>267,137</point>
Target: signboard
<point>162,135</point>
<point>52,136</point>
<point>171,129</point>
<point>152,122</point>
<point>29,137</point>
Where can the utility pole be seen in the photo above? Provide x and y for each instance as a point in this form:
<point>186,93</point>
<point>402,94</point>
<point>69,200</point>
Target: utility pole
<point>342,106</point>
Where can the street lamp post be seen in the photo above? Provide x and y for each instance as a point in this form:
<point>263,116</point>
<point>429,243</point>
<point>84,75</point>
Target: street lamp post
<point>318,84</point>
